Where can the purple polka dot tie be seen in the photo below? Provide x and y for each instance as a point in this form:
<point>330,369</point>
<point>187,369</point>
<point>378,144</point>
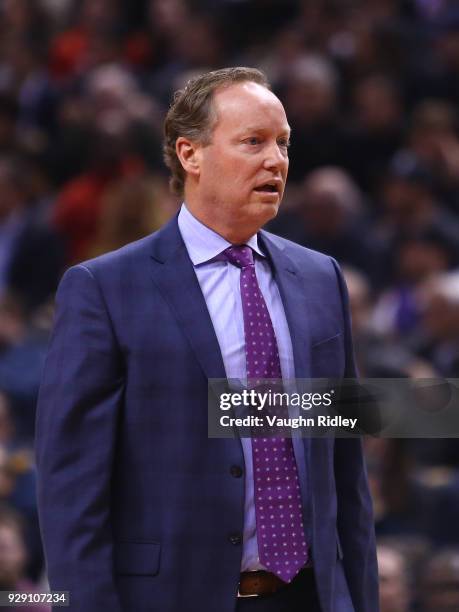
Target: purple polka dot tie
<point>281,542</point>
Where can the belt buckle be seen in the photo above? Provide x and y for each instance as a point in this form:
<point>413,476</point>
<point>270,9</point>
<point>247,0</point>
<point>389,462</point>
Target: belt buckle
<point>241,596</point>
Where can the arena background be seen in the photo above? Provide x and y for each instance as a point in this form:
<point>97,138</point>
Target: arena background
<point>371,89</point>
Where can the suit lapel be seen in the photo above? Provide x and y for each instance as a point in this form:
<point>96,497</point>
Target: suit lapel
<point>294,298</point>
<point>175,278</point>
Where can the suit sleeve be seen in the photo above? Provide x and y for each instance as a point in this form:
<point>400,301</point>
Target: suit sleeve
<point>79,402</point>
<point>355,512</point>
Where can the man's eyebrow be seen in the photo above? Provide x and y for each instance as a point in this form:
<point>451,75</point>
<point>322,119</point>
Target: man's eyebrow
<point>253,129</point>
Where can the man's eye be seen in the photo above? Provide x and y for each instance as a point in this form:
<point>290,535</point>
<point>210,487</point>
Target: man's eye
<point>284,142</point>
<point>253,140</point>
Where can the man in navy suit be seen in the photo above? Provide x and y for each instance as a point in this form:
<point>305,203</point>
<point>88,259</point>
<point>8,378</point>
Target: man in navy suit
<point>140,510</point>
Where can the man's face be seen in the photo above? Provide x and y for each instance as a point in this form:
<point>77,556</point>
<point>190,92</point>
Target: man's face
<point>242,172</point>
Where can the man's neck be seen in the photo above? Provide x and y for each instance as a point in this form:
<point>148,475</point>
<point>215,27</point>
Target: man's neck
<point>230,234</point>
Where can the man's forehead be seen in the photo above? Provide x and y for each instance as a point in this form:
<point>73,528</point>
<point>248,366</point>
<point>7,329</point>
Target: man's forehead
<point>250,101</point>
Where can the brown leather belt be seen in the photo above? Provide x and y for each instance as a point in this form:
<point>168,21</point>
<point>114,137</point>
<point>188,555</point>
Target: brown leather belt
<point>253,584</point>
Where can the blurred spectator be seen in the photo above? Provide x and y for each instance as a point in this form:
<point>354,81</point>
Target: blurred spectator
<point>119,108</point>
<point>409,199</point>
<point>417,258</point>
<point>438,77</point>
<point>78,207</point>
<point>18,484</point>
<point>23,75</point>
<point>23,343</point>
<point>13,559</point>
<point>152,44</point>
<point>394,591</point>
<point>199,46</point>
<point>17,480</point>
<point>372,38</point>
<point>377,354</point>
<point>75,50</point>
<point>440,323</point>
<point>377,130</point>
<point>310,97</point>
<point>439,584</point>
<point>31,256</point>
<point>130,211</point>
<point>434,140</point>
<point>287,49</point>
<point>410,209</point>
<point>395,495</point>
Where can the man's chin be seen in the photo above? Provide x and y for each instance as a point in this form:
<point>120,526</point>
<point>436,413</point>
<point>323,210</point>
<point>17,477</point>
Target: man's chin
<point>266,211</point>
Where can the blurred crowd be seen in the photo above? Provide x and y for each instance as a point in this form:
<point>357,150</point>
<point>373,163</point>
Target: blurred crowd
<point>371,90</point>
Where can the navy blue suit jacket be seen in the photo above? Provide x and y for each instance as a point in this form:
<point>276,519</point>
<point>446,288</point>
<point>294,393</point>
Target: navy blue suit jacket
<point>140,511</point>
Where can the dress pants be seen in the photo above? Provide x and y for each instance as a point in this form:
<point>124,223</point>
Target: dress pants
<point>299,596</point>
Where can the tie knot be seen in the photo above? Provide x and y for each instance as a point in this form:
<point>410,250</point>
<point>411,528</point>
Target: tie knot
<point>240,256</point>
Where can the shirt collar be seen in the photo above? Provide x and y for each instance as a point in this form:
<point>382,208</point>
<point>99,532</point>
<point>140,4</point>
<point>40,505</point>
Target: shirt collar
<point>202,243</point>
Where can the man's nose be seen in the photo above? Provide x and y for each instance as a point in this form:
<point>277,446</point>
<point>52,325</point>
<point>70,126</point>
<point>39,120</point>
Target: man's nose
<point>275,157</point>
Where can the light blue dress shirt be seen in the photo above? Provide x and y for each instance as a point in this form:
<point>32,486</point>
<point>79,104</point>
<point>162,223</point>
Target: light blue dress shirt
<point>219,281</point>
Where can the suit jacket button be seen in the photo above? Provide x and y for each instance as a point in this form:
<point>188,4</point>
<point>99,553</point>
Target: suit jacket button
<point>235,538</point>
<point>236,471</point>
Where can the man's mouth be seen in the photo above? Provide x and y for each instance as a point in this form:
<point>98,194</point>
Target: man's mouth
<point>268,187</point>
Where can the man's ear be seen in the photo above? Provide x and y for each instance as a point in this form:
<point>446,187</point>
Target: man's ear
<point>189,154</point>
